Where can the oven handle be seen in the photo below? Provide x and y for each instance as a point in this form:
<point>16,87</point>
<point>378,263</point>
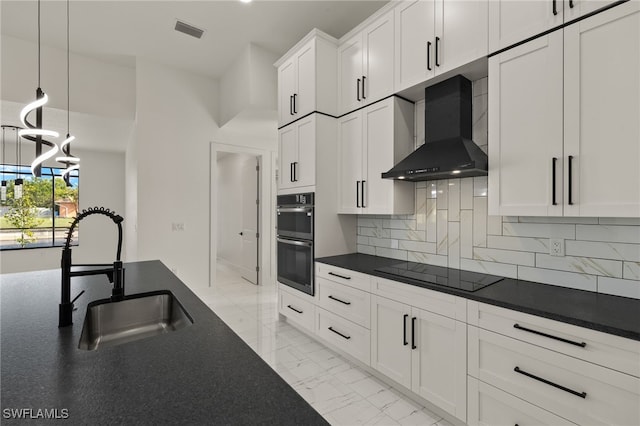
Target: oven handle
<point>294,209</point>
<point>295,243</point>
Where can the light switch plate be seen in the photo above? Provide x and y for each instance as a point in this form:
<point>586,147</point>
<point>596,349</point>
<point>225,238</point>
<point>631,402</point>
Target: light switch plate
<point>556,247</point>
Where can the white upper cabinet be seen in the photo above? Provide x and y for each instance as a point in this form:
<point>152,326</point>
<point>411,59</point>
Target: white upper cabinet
<point>298,154</point>
<point>307,78</point>
<point>512,21</point>
<point>370,142</point>
<point>602,113</point>
<point>433,37</point>
<point>563,121</point>
<point>365,63</point>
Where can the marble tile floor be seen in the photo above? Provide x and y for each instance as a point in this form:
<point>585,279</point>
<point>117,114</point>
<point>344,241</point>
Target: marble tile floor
<point>341,392</point>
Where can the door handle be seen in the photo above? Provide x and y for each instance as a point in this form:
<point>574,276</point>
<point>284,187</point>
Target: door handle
<point>338,300</point>
<point>437,59</point>
<point>358,193</point>
<point>555,7</point>
<point>295,171</point>
<point>295,110</point>
<point>429,55</point>
<point>570,173</point>
<point>413,333</point>
<point>363,95</point>
<point>290,172</point>
<point>291,105</point>
<point>553,181</point>
<point>362,194</point>
<point>571,4</point>
<point>404,330</point>
<point>340,334</point>
<point>550,383</point>
<point>358,90</point>
<point>294,309</point>
<point>240,233</point>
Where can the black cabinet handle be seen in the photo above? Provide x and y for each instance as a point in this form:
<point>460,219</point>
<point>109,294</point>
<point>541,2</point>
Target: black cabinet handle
<point>294,309</point>
<point>362,194</point>
<point>340,334</point>
<point>553,180</point>
<point>429,55</point>
<point>358,90</point>
<point>358,193</point>
<point>295,109</point>
<point>550,383</point>
<point>363,80</point>
<point>555,8</point>
<point>539,333</point>
<point>571,4</point>
<point>570,172</point>
<point>295,171</point>
<point>339,276</point>
<point>404,330</point>
<point>413,333</point>
<point>437,47</point>
<point>291,105</point>
<point>338,300</point>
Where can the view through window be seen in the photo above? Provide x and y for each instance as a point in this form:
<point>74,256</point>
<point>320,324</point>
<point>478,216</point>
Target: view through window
<point>42,217</point>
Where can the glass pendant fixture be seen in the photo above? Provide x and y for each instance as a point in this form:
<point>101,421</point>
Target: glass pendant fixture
<point>35,132</point>
<point>3,186</point>
<point>17,184</point>
<point>70,161</point>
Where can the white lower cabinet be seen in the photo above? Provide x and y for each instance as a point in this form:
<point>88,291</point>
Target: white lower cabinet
<point>489,406</point>
<point>344,334</point>
<point>421,350</point>
<point>297,308</point>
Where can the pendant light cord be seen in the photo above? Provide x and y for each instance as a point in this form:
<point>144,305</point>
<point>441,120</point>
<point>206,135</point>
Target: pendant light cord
<point>68,62</point>
<point>39,43</point>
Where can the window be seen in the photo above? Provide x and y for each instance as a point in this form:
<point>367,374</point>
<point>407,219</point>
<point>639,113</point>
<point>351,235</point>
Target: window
<point>42,217</point>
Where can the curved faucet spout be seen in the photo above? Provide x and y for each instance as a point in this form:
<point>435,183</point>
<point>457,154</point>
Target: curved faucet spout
<point>117,219</point>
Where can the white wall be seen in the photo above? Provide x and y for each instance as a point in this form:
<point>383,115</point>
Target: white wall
<point>175,120</point>
<point>101,184</point>
<point>233,172</point>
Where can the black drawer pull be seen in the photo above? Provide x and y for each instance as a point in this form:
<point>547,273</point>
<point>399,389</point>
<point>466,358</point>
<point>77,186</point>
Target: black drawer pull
<point>413,333</point>
<point>555,385</point>
<point>339,276</point>
<point>338,300</point>
<point>294,309</point>
<point>340,334</point>
<point>404,328</point>
<point>571,342</point>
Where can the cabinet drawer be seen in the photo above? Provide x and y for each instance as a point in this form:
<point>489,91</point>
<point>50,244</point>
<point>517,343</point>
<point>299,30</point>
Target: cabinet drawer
<point>344,276</point>
<point>489,406</point>
<point>295,308</point>
<point>345,335</point>
<point>577,390</point>
<point>433,301</point>
<point>600,348</point>
<point>351,303</point>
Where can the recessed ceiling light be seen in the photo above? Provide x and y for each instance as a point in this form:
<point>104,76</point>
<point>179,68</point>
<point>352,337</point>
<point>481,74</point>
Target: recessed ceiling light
<point>246,1</point>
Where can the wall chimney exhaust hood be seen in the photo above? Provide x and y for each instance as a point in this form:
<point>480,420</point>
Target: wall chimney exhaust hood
<point>448,151</point>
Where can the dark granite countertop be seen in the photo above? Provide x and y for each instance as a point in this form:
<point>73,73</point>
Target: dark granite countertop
<point>602,312</point>
<point>202,374</point>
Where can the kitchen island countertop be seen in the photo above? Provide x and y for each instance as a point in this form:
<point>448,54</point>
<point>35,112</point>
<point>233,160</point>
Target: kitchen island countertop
<point>202,374</point>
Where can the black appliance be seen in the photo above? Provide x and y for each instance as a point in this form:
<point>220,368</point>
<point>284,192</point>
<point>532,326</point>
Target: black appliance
<point>448,151</point>
<point>295,241</point>
<point>453,278</point>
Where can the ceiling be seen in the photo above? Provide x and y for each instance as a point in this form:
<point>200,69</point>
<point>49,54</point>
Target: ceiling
<point>120,31</point>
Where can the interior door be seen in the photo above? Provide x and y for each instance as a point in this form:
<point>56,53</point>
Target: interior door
<point>250,204</point>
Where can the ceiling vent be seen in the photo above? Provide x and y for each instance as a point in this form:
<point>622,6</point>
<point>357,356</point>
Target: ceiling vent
<point>183,27</point>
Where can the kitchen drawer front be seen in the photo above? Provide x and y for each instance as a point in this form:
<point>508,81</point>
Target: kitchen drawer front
<point>344,276</point>
<point>296,309</point>
<point>351,303</point>
<point>600,348</point>
<point>611,397</point>
<point>434,301</point>
<point>489,406</point>
<point>345,335</point>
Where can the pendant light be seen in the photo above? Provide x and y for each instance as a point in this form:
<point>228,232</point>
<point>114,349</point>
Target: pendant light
<point>17,184</point>
<point>36,133</point>
<point>70,161</point>
<point>3,186</point>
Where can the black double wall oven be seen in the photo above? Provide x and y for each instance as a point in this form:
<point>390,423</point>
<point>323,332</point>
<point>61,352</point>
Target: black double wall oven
<point>295,241</point>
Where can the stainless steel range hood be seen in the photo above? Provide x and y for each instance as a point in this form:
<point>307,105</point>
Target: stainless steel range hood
<point>448,151</point>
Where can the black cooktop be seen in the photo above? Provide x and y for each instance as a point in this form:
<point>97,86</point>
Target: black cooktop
<point>455,278</point>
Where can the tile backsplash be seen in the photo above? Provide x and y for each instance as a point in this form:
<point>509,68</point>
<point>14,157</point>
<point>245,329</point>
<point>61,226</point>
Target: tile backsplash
<point>451,228</point>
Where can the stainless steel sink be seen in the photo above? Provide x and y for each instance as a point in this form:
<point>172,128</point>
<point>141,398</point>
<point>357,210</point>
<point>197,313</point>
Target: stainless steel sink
<point>137,316</point>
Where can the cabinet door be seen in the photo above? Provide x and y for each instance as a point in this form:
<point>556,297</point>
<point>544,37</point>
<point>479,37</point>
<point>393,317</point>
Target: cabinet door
<point>439,361</point>
<point>414,27</point>
<point>286,89</point>
<point>305,101</point>
<point>349,162</point>
<point>378,154</point>
<point>378,59</point>
<point>305,164</point>
<point>391,339</point>
<point>462,33</point>
<point>602,111</point>
<point>576,8</point>
<point>350,78</point>
<point>288,155</point>
<point>513,21</point>
<point>525,129</point>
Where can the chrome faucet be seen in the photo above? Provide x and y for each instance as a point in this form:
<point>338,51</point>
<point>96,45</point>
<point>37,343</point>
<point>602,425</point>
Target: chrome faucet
<point>114,272</point>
